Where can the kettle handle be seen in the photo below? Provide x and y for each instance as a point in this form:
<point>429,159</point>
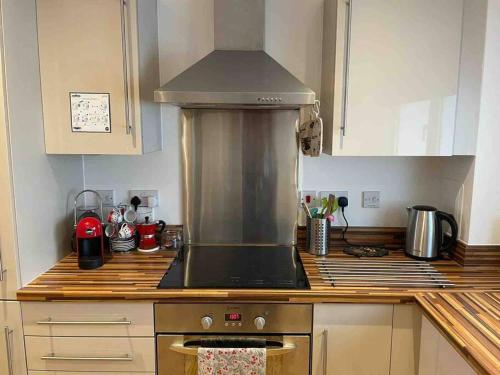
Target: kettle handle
<point>443,216</point>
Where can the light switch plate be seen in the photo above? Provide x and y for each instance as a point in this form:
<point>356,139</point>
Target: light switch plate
<point>371,199</point>
<point>308,193</point>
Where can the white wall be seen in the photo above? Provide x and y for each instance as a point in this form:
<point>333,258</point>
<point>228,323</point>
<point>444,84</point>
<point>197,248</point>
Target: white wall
<point>294,38</point>
<point>485,214</point>
<point>402,182</point>
<point>43,184</point>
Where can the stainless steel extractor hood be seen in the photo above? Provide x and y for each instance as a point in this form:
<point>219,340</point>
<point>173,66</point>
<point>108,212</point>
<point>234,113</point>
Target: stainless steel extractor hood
<point>229,77</point>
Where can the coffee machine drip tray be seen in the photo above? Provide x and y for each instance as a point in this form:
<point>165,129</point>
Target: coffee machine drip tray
<point>236,267</point>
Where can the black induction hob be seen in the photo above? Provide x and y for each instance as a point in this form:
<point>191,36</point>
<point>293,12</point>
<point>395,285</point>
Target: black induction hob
<point>236,267</point>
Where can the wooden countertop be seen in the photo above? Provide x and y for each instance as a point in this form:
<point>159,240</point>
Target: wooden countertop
<point>467,314</point>
<point>134,276</point>
<point>471,322</point>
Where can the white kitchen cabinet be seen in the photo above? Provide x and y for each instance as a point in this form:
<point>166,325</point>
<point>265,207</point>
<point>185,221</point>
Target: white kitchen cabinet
<point>8,262</point>
<point>90,353</point>
<point>390,76</point>
<point>438,356</point>
<point>352,339</point>
<point>405,345</point>
<point>88,319</point>
<point>12,359</point>
<point>87,373</point>
<point>99,68</point>
<point>75,337</point>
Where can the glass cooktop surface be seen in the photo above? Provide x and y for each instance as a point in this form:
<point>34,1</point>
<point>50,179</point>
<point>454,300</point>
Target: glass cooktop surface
<point>236,267</point>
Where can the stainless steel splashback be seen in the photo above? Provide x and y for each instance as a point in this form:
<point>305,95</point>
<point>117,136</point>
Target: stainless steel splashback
<point>240,176</point>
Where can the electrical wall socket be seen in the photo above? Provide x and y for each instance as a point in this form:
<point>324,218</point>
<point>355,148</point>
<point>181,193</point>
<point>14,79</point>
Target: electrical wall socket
<point>337,193</point>
<point>108,197</point>
<point>371,199</point>
<point>143,195</point>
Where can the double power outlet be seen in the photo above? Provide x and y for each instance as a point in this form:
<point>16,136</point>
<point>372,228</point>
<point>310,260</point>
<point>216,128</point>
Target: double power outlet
<point>313,198</point>
<point>370,199</point>
<point>149,198</point>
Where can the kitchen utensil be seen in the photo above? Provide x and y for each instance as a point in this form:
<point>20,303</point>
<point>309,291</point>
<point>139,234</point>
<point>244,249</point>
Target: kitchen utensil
<point>148,233</point>
<point>318,236</point>
<point>306,209</point>
<point>111,230</point>
<point>424,234</point>
<point>88,234</point>
<point>130,215</point>
<point>126,231</point>
<point>324,206</point>
<point>115,216</point>
<point>331,205</point>
<point>314,212</point>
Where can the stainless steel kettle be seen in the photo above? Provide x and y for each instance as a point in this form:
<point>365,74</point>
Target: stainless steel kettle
<point>424,233</point>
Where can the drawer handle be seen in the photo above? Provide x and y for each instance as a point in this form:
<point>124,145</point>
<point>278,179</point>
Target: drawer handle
<point>49,321</point>
<point>325,352</point>
<point>193,351</point>
<point>53,357</point>
<point>8,333</point>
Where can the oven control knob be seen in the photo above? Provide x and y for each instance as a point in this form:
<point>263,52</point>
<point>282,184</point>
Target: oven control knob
<point>259,322</point>
<point>206,322</point>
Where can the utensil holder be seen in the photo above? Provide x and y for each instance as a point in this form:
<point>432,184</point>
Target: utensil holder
<point>318,236</point>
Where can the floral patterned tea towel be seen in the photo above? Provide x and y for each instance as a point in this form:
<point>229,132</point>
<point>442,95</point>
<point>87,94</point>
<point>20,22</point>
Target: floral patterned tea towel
<point>231,361</point>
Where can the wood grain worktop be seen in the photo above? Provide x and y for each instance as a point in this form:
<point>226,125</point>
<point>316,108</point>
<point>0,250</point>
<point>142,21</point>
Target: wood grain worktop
<point>467,313</point>
<point>471,322</point>
<point>134,276</point>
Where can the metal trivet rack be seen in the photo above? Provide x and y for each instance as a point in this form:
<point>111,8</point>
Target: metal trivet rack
<point>381,273</point>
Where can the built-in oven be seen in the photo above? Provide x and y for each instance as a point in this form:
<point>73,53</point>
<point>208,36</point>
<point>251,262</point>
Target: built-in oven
<point>283,329</point>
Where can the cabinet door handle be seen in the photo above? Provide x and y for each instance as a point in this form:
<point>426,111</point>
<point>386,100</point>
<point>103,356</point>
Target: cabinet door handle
<point>53,357</point>
<point>126,66</point>
<point>8,332</point>
<point>2,269</point>
<point>347,53</point>
<point>325,352</point>
<point>49,321</point>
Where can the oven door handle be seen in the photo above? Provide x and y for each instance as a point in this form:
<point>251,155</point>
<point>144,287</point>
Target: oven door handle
<point>193,350</point>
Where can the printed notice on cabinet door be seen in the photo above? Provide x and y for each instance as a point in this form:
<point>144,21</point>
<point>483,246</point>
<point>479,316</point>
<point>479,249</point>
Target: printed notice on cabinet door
<point>90,112</point>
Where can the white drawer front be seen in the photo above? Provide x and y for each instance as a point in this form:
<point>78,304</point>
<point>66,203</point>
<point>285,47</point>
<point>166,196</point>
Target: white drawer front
<point>90,353</point>
<point>85,373</point>
<point>87,319</point>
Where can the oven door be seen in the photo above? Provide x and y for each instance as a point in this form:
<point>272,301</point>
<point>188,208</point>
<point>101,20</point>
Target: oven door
<point>288,354</point>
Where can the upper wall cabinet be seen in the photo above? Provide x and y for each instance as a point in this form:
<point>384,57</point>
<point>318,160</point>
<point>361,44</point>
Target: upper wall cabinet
<point>99,68</point>
<point>390,76</point>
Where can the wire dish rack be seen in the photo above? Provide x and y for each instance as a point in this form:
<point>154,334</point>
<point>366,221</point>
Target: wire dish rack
<point>381,273</point>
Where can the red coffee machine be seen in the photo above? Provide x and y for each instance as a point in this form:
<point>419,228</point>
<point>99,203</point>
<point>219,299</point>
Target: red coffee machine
<point>147,235</point>
<point>89,236</point>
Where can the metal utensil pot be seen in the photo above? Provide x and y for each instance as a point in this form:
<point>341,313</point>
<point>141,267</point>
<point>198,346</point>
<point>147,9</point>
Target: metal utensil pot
<point>318,236</point>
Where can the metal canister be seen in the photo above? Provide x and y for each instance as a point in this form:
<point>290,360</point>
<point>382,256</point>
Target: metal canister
<point>318,236</point>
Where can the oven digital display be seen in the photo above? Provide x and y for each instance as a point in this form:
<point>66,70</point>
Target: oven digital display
<point>232,317</point>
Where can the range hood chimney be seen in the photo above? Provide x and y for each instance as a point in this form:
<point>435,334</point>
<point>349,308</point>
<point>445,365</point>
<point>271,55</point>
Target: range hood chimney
<point>238,72</point>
